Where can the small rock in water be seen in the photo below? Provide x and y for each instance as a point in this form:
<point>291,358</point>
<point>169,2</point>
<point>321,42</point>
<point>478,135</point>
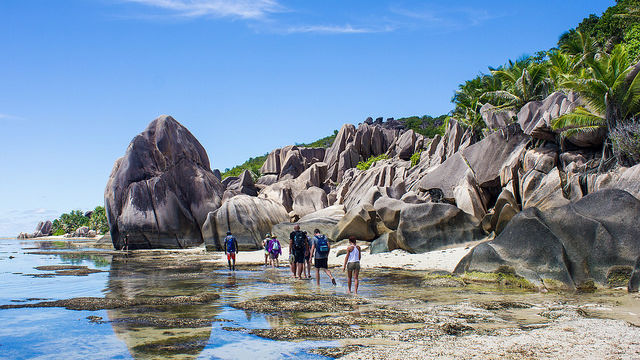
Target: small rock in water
<point>95,319</point>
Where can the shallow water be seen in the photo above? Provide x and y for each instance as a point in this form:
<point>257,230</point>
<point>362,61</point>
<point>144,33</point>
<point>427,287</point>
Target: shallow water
<point>147,332</point>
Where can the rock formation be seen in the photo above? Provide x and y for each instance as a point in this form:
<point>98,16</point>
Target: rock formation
<point>249,218</point>
<point>572,244</point>
<point>160,192</point>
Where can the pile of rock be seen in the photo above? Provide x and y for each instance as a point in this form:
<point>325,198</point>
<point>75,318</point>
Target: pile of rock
<point>516,179</point>
<point>44,228</point>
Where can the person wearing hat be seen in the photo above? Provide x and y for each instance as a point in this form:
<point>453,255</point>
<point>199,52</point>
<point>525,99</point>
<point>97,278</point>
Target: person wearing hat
<point>231,249</point>
<point>265,246</point>
<point>275,250</point>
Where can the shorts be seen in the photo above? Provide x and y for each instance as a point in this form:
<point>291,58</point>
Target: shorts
<point>231,256</point>
<point>274,256</point>
<point>266,252</point>
<point>355,265</point>
<point>299,257</point>
<point>307,257</point>
<point>321,263</point>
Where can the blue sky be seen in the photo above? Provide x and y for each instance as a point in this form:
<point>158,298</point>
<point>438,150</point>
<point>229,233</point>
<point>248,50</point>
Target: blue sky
<point>80,78</point>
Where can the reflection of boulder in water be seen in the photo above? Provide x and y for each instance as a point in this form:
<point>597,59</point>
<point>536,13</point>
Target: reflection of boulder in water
<point>163,331</point>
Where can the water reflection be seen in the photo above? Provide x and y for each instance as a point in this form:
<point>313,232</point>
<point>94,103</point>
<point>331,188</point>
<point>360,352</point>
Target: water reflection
<point>161,331</point>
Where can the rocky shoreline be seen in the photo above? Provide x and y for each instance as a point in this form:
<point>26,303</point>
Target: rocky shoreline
<point>512,187</point>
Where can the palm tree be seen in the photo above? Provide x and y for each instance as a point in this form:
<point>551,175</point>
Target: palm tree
<point>468,101</point>
<point>523,81</point>
<point>581,46</point>
<point>610,86</point>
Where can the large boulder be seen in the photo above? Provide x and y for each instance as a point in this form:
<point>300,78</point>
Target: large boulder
<point>541,190</point>
<point>309,201</point>
<point>332,155</point>
<point>385,243</point>
<point>485,159</point>
<point>159,194</point>
<point>629,180</point>
<point>406,145</point>
<point>241,185</point>
<point>536,117</point>
<point>249,218</point>
<point>432,226</point>
<point>573,244</point>
<point>359,222</point>
<point>496,118</point>
<point>358,186</point>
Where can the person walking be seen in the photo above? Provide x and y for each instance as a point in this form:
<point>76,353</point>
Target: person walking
<point>275,250</point>
<point>352,263</point>
<point>231,249</point>
<point>307,256</point>
<point>320,252</point>
<point>298,247</point>
<point>265,245</point>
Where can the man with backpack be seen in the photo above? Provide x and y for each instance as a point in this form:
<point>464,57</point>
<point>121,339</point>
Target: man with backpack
<point>320,252</point>
<point>231,249</point>
<point>298,246</point>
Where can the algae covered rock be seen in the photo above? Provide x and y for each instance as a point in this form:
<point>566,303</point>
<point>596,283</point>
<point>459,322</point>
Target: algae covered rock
<point>572,244</point>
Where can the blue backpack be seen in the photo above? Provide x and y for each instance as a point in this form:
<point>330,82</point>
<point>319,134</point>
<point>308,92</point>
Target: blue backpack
<point>323,244</point>
<point>229,240</point>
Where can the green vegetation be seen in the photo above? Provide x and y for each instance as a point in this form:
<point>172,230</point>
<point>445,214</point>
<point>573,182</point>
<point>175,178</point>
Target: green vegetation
<point>415,158</point>
<point>69,222</point>
<point>365,165</point>
<point>595,60</point>
<point>98,220</point>
<point>253,165</point>
<point>426,125</point>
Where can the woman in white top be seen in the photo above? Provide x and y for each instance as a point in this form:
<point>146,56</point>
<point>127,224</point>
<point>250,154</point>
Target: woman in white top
<point>352,263</point>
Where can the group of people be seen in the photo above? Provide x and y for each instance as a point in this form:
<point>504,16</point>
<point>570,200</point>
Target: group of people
<point>302,249</point>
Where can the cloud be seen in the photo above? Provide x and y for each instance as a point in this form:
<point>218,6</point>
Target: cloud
<point>9,117</point>
<point>336,29</point>
<point>13,222</point>
<point>450,18</point>
<point>243,9</point>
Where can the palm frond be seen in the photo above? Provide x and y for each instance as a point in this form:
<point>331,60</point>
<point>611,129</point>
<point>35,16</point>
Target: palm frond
<point>579,118</point>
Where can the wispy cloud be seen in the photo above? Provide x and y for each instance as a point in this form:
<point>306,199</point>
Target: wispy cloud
<point>336,29</point>
<point>446,18</point>
<point>9,117</point>
<point>243,9</point>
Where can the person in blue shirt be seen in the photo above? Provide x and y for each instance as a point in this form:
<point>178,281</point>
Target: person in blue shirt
<point>231,249</point>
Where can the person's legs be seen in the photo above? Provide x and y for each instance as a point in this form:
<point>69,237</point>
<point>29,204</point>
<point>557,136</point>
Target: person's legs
<point>229,260</point>
<point>349,273</point>
<point>356,274</point>
<point>328,272</point>
<point>233,257</point>
<point>300,270</point>
<point>266,258</point>
<point>318,276</point>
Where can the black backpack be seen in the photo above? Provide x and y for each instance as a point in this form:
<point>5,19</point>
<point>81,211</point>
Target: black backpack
<point>299,240</point>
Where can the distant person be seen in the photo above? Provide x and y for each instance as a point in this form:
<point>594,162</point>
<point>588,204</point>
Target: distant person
<point>265,246</point>
<point>231,249</point>
<point>275,250</point>
<point>320,253</point>
<point>298,247</point>
<point>352,263</point>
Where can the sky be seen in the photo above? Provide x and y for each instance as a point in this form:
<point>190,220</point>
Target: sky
<point>80,78</point>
